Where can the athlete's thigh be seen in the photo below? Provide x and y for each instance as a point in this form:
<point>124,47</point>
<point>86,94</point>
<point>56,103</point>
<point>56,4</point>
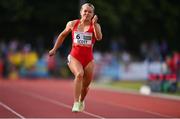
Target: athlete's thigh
<point>74,65</point>
<point>89,72</point>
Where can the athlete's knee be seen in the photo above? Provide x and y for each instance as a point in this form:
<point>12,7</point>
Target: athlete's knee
<point>79,75</point>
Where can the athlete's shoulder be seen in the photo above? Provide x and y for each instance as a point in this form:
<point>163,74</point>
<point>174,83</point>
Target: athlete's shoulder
<point>72,22</point>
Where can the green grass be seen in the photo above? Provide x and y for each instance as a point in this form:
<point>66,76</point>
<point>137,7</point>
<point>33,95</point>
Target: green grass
<point>135,85</point>
<point>129,85</point>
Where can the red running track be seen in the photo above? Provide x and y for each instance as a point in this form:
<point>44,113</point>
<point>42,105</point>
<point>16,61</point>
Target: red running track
<point>54,98</point>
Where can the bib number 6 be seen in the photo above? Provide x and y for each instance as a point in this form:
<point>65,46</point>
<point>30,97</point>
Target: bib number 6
<point>78,36</point>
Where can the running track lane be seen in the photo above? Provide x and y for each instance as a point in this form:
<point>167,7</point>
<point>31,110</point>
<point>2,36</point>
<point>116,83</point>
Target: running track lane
<point>54,98</point>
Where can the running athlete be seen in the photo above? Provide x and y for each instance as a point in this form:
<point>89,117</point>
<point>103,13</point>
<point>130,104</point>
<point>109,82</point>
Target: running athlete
<point>85,31</point>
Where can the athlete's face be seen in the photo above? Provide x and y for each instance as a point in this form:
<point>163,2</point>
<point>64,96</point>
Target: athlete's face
<point>86,12</point>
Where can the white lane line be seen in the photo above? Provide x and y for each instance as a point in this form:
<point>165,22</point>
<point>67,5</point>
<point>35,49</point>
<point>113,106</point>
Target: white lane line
<point>11,110</point>
<point>56,102</point>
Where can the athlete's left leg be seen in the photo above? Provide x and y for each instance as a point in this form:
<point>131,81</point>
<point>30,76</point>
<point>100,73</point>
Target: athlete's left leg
<point>88,76</point>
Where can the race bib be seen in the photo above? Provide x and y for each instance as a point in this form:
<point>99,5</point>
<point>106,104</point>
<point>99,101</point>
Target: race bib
<point>82,38</point>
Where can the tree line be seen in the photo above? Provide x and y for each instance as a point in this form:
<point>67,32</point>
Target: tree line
<point>134,20</point>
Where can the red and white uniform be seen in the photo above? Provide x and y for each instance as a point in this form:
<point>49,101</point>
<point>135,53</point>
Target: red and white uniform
<point>82,46</point>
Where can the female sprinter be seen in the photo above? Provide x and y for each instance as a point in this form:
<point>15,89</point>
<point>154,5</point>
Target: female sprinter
<point>85,31</point>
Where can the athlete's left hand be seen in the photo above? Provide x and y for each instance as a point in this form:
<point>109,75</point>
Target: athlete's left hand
<point>94,19</point>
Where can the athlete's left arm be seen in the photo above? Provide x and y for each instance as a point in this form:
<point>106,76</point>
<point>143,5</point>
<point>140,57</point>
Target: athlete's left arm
<point>97,28</point>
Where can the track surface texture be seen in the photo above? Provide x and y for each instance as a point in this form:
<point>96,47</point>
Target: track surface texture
<point>54,98</point>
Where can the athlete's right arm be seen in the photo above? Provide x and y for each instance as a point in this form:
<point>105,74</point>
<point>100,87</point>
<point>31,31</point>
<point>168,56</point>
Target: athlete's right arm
<point>61,37</point>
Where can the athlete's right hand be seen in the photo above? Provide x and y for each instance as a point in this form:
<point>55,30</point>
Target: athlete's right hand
<point>52,52</point>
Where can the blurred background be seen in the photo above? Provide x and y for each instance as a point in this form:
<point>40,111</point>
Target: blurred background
<point>140,41</point>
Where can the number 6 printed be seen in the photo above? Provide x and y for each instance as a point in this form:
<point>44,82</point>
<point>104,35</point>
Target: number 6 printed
<point>78,36</point>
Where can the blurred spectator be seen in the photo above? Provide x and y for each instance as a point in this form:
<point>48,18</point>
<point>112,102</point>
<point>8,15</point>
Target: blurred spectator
<point>114,46</point>
<point>51,62</point>
<point>4,54</point>
<point>15,58</point>
<point>144,50</point>
<point>41,67</point>
<point>153,51</point>
<point>164,49</point>
<point>30,57</point>
<point>126,59</point>
<point>13,45</point>
<point>174,64</point>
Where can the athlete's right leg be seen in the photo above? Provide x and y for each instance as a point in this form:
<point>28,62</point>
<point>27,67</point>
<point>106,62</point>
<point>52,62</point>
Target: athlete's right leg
<point>88,76</point>
<point>77,69</point>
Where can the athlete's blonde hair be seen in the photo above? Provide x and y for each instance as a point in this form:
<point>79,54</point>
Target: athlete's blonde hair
<point>90,5</point>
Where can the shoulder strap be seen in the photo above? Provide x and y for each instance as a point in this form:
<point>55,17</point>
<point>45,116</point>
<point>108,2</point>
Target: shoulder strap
<point>76,24</point>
